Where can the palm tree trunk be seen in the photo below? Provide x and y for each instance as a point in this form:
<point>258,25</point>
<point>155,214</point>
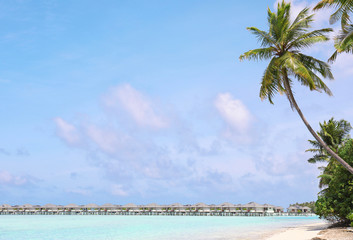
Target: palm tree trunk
<point>323,144</point>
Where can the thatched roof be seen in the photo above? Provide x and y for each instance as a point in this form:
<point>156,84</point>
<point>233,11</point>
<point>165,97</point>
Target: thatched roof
<point>176,205</point>
<point>252,205</point>
<point>130,205</point>
<point>49,205</point>
<point>5,206</point>
<point>27,206</point>
<point>269,205</point>
<point>72,205</point>
<point>201,205</point>
<point>108,205</point>
<point>227,205</point>
<point>152,205</point>
<point>91,205</point>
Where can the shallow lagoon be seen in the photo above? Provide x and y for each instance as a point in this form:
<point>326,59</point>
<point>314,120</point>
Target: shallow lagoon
<point>41,227</point>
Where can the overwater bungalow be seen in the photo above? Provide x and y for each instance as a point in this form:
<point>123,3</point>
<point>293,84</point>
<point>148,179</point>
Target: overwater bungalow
<point>298,209</point>
<point>91,208</point>
<point>129,208</point>
<point>6,209</point>
<point>268,208</point>
<point>49,209</point>
<point>109,208</point>
<point>306,209</point>
<point>71,209</point>
<point>200,208</point>
<point>253,207</point>
<point>28,209</point>
<point>238,208</point>
<point>153,208</point>
<point>227,207</point>
<point>279,209</point>
<point>177,208</point>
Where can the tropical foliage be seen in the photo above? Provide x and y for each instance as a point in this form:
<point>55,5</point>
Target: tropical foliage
<point>334,134</point>
<point>335,202</point>
<point>343,9</point>
<point>282,45</point>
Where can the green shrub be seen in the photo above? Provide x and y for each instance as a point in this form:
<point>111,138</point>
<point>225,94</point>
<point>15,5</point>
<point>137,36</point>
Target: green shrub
<point>335,203</point>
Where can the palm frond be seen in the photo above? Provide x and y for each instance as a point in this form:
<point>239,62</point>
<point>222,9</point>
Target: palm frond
<point>343,8</point>
<point>333,57</point>
<point>343,42</point>
<point>270,83</point>
<point>337,15</point>
<point>317,65</point>
<point>347,38</point>
<point>263,37</point>
<point>345,20</point>
<point>315,143</point>
<point>308,39</point>
<point>291,62</point>
<point>258,54</point>
<point>318,158</point>
<point>323,4</point>
<point>300,25</point>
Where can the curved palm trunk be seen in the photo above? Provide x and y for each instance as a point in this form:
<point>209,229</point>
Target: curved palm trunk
<point>323,144</point>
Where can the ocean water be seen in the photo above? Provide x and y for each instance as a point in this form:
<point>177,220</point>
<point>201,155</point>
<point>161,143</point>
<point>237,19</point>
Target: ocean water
<point>93,227</point>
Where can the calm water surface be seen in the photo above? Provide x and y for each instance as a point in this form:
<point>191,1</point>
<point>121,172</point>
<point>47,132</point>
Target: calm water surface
<point>141,227</point>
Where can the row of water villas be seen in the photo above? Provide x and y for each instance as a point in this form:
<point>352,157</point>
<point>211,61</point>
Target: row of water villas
<point>177,209</point>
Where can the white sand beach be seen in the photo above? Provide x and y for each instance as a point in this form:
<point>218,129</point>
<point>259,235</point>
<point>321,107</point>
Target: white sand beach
<point>304,232</point>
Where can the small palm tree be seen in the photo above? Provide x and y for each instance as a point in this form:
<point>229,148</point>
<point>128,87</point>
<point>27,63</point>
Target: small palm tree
<point>334,134</point>
<point>344,40</point>
<point>282,45</point>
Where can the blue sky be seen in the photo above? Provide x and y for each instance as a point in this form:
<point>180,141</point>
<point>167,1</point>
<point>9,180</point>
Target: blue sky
<point>146,101</point>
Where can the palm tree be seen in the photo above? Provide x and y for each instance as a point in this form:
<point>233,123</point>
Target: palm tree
<point>344,40</point>
<point>334,134</point>
<point>282,45</point>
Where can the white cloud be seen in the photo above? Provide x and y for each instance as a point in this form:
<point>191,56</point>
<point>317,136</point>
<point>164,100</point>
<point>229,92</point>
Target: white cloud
<point>118,190</point>
<point>138,106</point>
<point>7,178</point>
<point>107,140</point>
<point>67,131</point>
<point>233,112</point>
<point>138,163</point>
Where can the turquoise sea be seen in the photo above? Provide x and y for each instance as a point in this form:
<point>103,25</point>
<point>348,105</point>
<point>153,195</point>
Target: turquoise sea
<point>41,227</point>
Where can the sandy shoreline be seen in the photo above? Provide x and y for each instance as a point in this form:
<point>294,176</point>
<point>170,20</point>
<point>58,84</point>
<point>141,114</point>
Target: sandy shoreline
<point>316,231</point>
<point>302,232</point>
